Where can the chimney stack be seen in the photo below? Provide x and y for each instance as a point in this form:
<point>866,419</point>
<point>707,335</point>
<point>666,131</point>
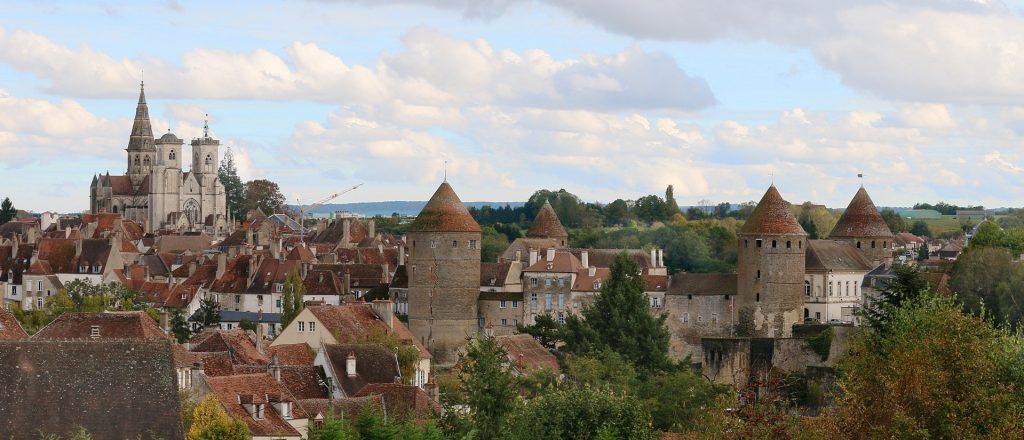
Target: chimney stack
<point>551,255</point>
<point>192,267</point>
<point>222,264</point>
<point>384,310</point>
<point>346,233</point>
<point>164,324</point>
<point>519,255</point>
<point>371,227</point>
<point>654,258</point>
<point>533,257</point>
<point>350,364</point>
<point>585,258</point>
<point>591,271</point>
<point>401,254</point>
<point>661,258</point>
<point>259,335</point>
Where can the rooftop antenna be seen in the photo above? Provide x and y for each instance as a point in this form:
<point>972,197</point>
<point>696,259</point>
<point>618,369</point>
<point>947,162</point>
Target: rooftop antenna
<point>206,126</point>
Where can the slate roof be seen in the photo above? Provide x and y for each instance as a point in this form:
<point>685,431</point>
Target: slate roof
<point>10,329</point>
<point>494,274</point>
<point>255,388</point>
<point>112,325</point>
<point>702,284</point>
<point>374,364</point>
<point>772,217</point>
<point>444,212</point>
<point>526,353</point>
<point>861,219</point>
<point>403,402</point>
<point>400,280</point>
<point>115,389</point>
<point>141,138</point>
<point>841,256</point>
<point>323,282</point>
<point>546,224</point>
<point>179,243</point>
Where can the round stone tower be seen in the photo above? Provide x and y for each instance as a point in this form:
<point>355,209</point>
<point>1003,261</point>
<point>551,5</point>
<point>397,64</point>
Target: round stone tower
<point>770,269</point>
<point>444,275</point>
<point>864,227</point>
<point>547,225</point>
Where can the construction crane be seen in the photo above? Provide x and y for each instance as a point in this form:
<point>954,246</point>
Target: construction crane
<point>303,211</point>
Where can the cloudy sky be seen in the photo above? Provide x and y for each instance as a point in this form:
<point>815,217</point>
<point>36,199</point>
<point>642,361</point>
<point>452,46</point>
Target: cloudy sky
<point>605,98</point>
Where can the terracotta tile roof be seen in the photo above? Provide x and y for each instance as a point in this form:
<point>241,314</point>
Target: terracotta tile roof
<point>111,325</point>
<point>861,219</point>
<point>702,284</point>
<point>105,222</point>
<point>236,238</point>
<point>59,253</point>
<point>301,253</point>
<point>335,232</point>
<point>179,243</point>
<point>564,262</point>
<point>938,281</point>
<point>406,336</point>
<point>305,381</point>
<point>348,408</point>
<point>235,276</point>
<point>113,389</point>
<point>772,217</point>
<point>271,272</point>
<point>404,402</point>
<point>586,283</point>
<point>120,185</point>
<point>323,282</point>
<point>154,292</point>
<point>494,274</point>
<point>360,275</point>
<point>546,224</point>
<point>133,231</point>
<point>824,255</point>
<point>253,388</point>
<point>605,257</point>
<point>291,354</point>
<point>905,238</point>
<point>655,283</point>
<point>374,364</point>
<point>525,353</point>
<point>238,343</point>
<point>444,212</point>
<point>353,323</point>
<point>10,329</point>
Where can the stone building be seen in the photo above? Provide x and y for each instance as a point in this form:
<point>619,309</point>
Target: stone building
<point>834,281</point>
<point>444,275</point>
<point>862,226</point>
<point>770,269</point>
<point>155,191</point>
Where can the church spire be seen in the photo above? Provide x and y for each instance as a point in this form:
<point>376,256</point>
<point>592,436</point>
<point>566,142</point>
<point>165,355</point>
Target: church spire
<point>142,131</point>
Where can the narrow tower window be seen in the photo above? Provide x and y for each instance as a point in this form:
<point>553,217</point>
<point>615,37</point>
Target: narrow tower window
<point>171,156</point>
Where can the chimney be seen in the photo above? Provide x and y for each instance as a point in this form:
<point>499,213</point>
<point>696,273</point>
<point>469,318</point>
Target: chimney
<point>383,309</point>
<point>533,256</point>
<point>259,336</point>
<point>519,255</point>
<point>551,255</point>
<point>164,324</point>
<point>371,228</point>
<point>591,271</point>
<point>346,233</point>
<point>401,254</point>
<point>654,258</point>
<point>432,390</point>
<point>585,258</point>
<point>661,258</point>
<point>78,247</point>
<point>348,282</point>
<point>192,267</point>
<point>350,364</point>
<point>222,264</point>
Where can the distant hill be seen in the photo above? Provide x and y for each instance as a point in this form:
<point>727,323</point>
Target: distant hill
<point>371,209</point>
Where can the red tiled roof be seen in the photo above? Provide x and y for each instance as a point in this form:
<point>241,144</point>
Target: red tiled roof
<point>586,283</point>
<point>374,364</point>
<point>772,216</point>
<point>305,381</point>
<point>444,212</point>
<point>10,329</point>
<point>255,387</point>
<point>404,402</point>
<point>291,354</point>
<point>526,353</point>
<point>111,325</point>
<point>235,276</point>
<point>546,224</point>
<point>323,282</point>
<point>270,272</point>
<point>564,262</point>
<point>59,253</point>
<point>861,219</point>
<point>301,253</point>
<point>494,274</point>
<point>703,284</point>
<point>238,343</point>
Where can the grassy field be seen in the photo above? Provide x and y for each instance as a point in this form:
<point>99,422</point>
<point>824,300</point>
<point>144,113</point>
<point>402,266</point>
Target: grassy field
<point>940,226</point>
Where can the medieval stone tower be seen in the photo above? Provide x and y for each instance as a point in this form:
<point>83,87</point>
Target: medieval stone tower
<point>444,275</point>
<point>862,226</point>
<point>771,249</point>
<point>547,225</point>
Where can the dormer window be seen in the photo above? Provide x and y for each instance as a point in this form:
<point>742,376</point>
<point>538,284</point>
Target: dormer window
<point>279,287</point>
<point>258,413</point>
<point>97,269</point>
<point>83,268</point>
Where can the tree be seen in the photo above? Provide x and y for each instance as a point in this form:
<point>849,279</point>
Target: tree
<point>492,244</point>
<point>920,229</point>
<point>671,207</point>
<point>936,373</point>
<point>988,235</point>
<point>620,320</point>
<point>604,370</point>
<point>894,220</point>
<point>209,312</point>
<point>617,212</point>
<point>488,385</point>
<point>234,189</point>
<point>179,326</point>
<point>677,399</point>
<point>211,422</point>
<point>582,413</point>
<point>293,298</point>
<point>922,252</point>
<point>7,211</point>
<point>264,195</point>
<point>989,282</point>
<point>906,285</point>
<point>545,330</point>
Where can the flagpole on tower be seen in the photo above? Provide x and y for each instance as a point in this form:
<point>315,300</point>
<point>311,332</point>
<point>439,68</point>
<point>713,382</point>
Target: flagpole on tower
<point>861,177</point>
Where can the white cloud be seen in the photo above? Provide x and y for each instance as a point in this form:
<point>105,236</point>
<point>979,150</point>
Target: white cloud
<point>996,159</point>
<point>38,130</point>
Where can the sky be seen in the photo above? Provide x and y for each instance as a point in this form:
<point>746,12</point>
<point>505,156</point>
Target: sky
<point>606,99</point>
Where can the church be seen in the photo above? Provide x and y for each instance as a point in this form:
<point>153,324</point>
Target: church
<point>155,191</point>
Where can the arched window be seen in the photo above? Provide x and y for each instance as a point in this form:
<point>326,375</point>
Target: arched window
<point>172,156</point>
<point>858,245</point>
<point>807,288</point>
<point>209,160</point>
<point>115,209</point>
<point>145,161</point>
<point>872,244</point>
<point>136,160</point>
<point>192,211</point>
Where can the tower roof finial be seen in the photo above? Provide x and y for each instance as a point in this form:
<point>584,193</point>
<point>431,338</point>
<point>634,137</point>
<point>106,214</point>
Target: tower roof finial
<point>206,127</point>
<point>446,171</point>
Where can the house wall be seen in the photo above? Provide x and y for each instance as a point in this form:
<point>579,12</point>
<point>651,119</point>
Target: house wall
<point>492,314</point>
<point>315,339</point>
<point>539,286</point>
<point>835,295</point>
<point>692,317</point>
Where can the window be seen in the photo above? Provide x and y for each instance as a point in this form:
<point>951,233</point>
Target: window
<point>259,299</point>
<point>807,288</point>
<point>700,318</point>
<point>230,326</point>
<point>433,244</point>
<point>561,318</point>
<point>533,281</point>
<point>501,304</point>
<point>789,244</point>
<point>830,286</point>
<point>689,296</point>
<point>884,245</point>
<point>515,323</point>
<point>774,244</point>
<point>208,160</point>
<point>855,291</point>
<point>714,318</point>
<point>184,296</point>
<point>279,303</point>
<point>561,301</point>
<point>872,244</point>
<point>171,155</point>
<point>547,301</point>
<point>746,243</point>
<point>95,269</point>
<point>94,331</point>
<point>757,242</point>
<point>858,245</point>
<point>817,315</point>
<point>455,243</point>
<point>39,303</point>
<point>302,326</point>
<point>145,161</point>
<point>515,304</point>
<point>759,274</point>
<point>278,287</point>
<point>504,322</point>
<point>686,316</point>
<point>847,288</point>
<point>757,297</point>
<point>473,244</point>
<point>547,282</point>
<point>312,326</point>
<point>561,282</point>
<point>533,301</point>
<point>238,299</point>
<point>800,244</point>
<point>258,413</point>
<point>83,269</point>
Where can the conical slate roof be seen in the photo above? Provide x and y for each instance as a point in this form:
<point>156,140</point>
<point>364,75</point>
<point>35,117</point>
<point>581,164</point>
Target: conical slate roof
<point>861,219</point>
<point>546,224</point>
<point>772,216</point>
<point>142,131</point>
<point>444,212</point>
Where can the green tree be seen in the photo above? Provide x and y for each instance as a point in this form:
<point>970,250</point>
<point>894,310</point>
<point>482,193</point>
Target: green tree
<point>988,281</point>
<point>293,298</point>
<point>604,369</point>
<point>492,244</point>
<point>488,386</point>
<point>7,211</point>
<point>936,373</point>
<point>894,220</point>
<point>211,422</point>
<point>620,320</point>
<point>179,326</point>
<point>922,252</point>
<point>408,355</point>
<point>617,213</point>
<point>545,330</point>
<point>264,195</point>
<point>581,413</point>
<point>208,314</point>
<point>234,189</point>
<point>907,283</point>
<point>671,206</point>
<point>920,229</point>
<point>678,399</point>
<point>989,235</point>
